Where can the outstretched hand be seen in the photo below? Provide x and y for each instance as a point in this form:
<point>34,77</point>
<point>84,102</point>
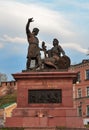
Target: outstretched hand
<point>43,45</point>
<point>30,20</point>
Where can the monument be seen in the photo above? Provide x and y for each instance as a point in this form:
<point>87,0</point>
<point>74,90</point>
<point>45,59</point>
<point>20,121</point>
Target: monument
<point>44,89</point>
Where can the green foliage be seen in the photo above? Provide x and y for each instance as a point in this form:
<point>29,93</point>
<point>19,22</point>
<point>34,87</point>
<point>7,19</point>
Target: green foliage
<point>8,99</point>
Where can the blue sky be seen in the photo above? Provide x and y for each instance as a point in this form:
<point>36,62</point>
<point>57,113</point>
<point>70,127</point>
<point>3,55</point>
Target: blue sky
<point>66,20</point>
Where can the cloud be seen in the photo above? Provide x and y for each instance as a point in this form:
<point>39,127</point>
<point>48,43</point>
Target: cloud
<point>21,40</point>
<point>75,46</point>
<point>7,38</point>
<point>1,45</point>
<point>48,20</point>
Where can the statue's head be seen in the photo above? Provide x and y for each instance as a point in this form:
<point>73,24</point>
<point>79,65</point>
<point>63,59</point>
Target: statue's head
<point>55,42</point>
<point>35,31</point>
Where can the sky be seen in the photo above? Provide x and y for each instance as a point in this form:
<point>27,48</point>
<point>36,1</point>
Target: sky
<point>66,20</point>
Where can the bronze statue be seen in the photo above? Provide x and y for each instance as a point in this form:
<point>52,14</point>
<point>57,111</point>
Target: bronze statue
<point>56,50</point>
<point>55,58</point>
<point>33,48</point>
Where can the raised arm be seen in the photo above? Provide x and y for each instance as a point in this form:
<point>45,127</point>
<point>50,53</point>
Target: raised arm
<point>27,26</point>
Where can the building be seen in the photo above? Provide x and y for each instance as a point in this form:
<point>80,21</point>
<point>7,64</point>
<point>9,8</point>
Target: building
<point>6,111</point>
<point>81,90</point>
<point>3,78</point>
<point>7,87</point>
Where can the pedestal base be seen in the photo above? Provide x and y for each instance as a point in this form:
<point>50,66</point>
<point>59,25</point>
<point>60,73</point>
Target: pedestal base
<point>29,113</point>
<point>45,117</point>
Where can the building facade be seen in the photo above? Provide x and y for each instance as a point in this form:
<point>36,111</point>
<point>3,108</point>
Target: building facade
<point>81,90</point>
<point>7,87</point>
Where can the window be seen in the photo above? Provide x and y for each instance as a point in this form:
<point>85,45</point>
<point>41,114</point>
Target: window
<point>79,93</point>
<point>79,110</point>
<point>87,74</point>
<point>87,110</point>
<point>78,76</point>
<point>87,91</point>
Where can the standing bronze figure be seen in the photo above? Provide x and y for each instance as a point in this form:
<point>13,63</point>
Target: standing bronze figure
<point>33,48</point>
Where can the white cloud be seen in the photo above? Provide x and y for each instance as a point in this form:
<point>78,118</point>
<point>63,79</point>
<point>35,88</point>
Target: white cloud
<point>15,15</point>
<point>75,46</point>
<point>7,38</point>
<point>1,45</point>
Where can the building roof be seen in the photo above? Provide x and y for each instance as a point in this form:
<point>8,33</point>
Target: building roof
<point>84,61</point>
<point>6,105</point>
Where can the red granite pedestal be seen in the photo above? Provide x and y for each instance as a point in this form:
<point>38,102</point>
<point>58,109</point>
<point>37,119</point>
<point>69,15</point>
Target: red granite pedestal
<point>44,114</point>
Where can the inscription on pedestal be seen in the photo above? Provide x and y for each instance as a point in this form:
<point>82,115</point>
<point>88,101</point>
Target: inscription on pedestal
<point>45,96</point>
